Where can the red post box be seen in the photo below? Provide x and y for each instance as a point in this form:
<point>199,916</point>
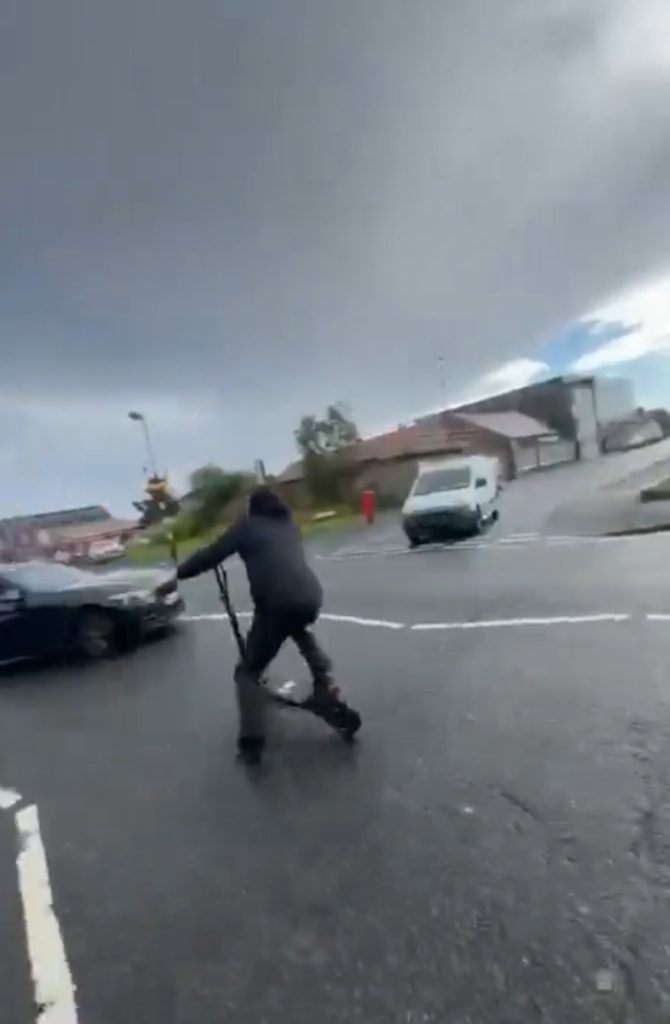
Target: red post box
<point>368,505</point>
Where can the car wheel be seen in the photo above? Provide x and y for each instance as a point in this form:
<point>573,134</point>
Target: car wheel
<point>413,542</point>
<point>96,636</point>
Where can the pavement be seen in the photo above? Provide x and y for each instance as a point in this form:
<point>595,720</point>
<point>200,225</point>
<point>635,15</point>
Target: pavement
<point>607,502</point>
<point>495,848</point>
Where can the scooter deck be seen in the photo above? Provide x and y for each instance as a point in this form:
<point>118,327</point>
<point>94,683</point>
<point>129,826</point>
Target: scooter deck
<point>335,713</point>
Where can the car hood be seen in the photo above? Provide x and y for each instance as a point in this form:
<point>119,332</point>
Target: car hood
<point>146,579</point>
<point>121,580</point>
<point>440,501</point>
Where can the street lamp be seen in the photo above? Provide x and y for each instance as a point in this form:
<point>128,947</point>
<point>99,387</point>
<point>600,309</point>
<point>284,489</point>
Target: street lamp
<point>139,418</point>
<point>441,362</point>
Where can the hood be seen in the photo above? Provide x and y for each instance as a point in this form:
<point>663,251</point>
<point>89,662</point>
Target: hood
<point>438,501</point>
<point>147,578</point>
<point>123,579</point>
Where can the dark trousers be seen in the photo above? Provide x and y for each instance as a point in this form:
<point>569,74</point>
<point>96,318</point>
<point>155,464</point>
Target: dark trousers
<point>268,632</point>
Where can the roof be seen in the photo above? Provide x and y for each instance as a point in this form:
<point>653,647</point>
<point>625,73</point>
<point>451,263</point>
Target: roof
<point>513,425</point>
<point>292,473</point>
<point>93,531</point>
<point>63,517</point>
<point>418,439</point>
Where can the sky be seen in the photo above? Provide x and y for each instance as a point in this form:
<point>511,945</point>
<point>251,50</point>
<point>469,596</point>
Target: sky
<point>228,213</point>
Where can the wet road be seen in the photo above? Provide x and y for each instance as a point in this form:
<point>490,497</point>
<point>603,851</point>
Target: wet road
<point>495,849</point>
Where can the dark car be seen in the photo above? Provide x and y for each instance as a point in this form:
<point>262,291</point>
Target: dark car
<point>48,610</point>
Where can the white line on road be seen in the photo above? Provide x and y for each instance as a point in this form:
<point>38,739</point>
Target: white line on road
<point>212,617</point>
<point>554,620</point>
<point>658,617</point>
<point>425,627</point>
<point>52,980</point>
<point>382,623</point>
<point>355,619</point>
<point>511,542</point>
<point>521,537</point>
<point>8,797</point>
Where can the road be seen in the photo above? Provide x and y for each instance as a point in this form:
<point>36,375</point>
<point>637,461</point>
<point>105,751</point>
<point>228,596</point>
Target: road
<point>496,848</point>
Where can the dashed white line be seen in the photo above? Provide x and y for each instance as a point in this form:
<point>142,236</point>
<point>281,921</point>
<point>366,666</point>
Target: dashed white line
<point>467,624</point>
<point>8,797</point>
<point>658,617</point>
<point>212,617</point>
<point>357,621</point>
<point>511,542</point>
<point>554,620</point>
<point>52,980</point>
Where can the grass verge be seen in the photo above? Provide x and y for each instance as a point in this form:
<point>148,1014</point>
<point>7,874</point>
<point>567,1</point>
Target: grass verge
<point>158,551</point>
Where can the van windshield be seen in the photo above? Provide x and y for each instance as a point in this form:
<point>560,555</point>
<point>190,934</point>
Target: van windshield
<point>455,479</point>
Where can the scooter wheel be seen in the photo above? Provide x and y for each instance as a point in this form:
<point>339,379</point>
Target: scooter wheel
<point>349,728</point>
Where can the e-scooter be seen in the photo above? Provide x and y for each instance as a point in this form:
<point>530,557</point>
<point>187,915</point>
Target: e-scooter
<point>334,712</point>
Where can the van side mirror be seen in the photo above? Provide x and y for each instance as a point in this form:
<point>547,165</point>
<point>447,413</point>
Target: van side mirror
<point>481,481</point>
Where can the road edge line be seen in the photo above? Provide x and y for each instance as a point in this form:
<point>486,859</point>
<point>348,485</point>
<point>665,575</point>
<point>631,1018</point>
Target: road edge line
<point>54,988</point>
<point>554,620</point>
<point>358,621</point>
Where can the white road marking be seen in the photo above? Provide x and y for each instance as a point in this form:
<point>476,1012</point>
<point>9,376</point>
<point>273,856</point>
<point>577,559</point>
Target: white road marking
<point>658,617</point>
<point>511,542</point>
<point>554,620</point>
<point>468,624</point>
<point>355,619</point>
<point>212,617</point>
<point>52,980</point>
<point>382,623</point>
<point>8,797</point>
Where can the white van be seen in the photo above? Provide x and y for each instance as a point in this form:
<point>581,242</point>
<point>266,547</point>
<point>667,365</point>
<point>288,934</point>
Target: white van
<point>452,497</point>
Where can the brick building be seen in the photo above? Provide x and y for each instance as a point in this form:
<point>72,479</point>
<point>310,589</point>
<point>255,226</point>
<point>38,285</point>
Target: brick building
<point>76,534</point>
<point>388,462</point>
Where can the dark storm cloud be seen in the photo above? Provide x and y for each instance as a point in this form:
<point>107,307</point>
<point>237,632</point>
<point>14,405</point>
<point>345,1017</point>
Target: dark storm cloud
<point>306,200</point>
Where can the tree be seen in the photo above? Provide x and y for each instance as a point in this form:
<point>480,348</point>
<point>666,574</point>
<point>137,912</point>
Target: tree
<point>328,435</point>
<point>159,503</point>
<point>153,511</point>
<point>212,489</point>
<point>326,446</point>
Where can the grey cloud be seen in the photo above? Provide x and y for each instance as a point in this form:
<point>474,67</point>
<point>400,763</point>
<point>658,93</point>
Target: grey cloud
<point>307,200</point>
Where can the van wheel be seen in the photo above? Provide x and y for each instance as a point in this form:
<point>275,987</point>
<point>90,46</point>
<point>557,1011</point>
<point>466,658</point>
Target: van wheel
<point>413,542</point>
<point>96,635</point>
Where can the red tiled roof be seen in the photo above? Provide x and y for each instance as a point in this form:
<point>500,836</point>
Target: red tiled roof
<point>94,531</point>
<point>418,439</point>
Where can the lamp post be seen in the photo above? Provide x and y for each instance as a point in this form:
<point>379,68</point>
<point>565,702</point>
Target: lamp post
<point>139,418</point>
<point>441,362</point>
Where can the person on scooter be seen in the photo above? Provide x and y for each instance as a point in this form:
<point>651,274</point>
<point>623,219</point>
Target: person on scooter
<point>287,599</point>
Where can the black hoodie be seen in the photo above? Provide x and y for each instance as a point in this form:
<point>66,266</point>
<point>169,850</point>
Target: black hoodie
<point>269,543</point>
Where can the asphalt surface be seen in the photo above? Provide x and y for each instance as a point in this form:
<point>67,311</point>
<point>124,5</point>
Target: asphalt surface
<point>496,848</point>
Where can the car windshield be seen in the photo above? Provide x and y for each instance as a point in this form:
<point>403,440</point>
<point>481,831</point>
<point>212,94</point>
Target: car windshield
<point>44,576</point>
<point>455,479</point>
